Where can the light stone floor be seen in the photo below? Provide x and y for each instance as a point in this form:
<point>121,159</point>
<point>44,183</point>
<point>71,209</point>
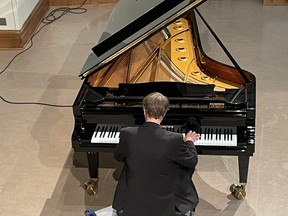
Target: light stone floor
<point>37,176</point>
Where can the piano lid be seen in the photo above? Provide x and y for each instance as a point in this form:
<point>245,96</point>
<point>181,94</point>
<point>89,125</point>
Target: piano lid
<point>131,22</point>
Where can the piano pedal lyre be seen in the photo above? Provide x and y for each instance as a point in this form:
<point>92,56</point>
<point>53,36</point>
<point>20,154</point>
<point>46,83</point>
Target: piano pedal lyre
<point>238,191</point>
<point>91,186</point>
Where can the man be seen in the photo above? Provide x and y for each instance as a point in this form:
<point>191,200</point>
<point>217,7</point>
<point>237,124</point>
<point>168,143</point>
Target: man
<point>150,183</point>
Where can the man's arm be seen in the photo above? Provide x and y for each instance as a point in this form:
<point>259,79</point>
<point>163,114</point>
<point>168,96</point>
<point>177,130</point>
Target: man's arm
<point>188,156</point>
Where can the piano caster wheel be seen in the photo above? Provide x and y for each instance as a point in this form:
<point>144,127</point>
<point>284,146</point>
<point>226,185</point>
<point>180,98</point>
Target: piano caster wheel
<point>238,191</point>
<point>91,186</point>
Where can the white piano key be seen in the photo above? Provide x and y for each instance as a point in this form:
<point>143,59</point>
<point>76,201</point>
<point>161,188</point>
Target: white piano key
<point>93,139</point>
<point>234,140</point>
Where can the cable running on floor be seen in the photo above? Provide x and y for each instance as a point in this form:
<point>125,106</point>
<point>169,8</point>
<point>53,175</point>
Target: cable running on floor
<point>47,20</point>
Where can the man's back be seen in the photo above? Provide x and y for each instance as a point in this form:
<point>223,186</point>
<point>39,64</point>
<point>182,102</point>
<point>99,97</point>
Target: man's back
<point>147,183</point>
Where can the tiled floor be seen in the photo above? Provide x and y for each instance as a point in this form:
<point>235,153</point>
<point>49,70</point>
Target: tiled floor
<point>37,176</point>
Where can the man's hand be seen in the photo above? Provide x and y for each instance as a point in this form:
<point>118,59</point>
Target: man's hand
<point>191,136</point>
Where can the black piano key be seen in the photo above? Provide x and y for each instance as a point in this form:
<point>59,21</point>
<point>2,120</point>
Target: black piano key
<point>211,133</point>
<point>111,132</point>
<point>117,129</point>
<point>114,132</point>
<point>101,130</point>
<point>97,129</point>
<point>104,132</point>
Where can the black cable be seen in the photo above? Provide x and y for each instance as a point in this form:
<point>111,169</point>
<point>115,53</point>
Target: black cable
<point>50,18</point>
<point>33,103</point>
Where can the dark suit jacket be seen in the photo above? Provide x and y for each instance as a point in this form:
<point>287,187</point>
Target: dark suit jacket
<point>186,194</point>
<point>150,175</point>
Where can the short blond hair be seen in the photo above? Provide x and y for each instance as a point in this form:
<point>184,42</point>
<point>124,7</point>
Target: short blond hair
<point>155,105</point>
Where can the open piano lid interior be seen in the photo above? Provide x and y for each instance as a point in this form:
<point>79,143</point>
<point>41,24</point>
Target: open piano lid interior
<point>131,22</point>
<point>151,43</point>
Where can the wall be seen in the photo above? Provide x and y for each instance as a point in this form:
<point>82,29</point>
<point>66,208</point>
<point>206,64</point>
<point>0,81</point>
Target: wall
<point>23,17</point>
<point>15,12</point>
<point>6,15</point>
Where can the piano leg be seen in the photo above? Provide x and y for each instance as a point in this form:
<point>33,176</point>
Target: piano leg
<point>238,190</point>
<point>91,185</point>
<point>93,164</point>
<point>243,163</point>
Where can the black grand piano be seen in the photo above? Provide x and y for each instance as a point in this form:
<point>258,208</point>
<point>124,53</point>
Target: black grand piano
<point>152,46</point>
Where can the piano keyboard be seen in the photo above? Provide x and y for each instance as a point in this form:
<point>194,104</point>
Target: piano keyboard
<point>209,135</point>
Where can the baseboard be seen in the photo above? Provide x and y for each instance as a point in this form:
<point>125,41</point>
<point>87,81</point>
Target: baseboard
<point>275,2</point>
<point>18,39</point>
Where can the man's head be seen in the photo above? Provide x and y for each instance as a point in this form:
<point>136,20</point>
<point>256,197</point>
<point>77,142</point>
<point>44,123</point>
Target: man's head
<point>155,105</point>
